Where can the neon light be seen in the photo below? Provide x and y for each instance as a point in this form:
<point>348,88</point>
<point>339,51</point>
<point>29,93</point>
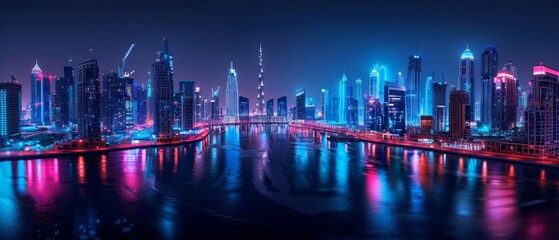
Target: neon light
<point>542,70</point>
<point>467,54</point>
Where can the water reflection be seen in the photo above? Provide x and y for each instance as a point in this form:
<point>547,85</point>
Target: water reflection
<point>242,179</point>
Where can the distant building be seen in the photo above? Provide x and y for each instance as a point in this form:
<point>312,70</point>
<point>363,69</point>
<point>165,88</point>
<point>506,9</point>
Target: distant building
<point>439,106</point>
<point>426,123</point>
<point>459,114</point>
<point>270,107</point>
<point>467,78</point>
<point>375,115</point>
<point>374,89</point>
<point>232,94</point>
<point>10,111</point>
<point>505,99</point>
<point>489,62</point>
<point>413,91</point>
<point>352,111</point>
<point>324,104</point>
<point>541,116</point>
<point>198,108</point>
<point>395,109</point>
<point>61,103</point>
<point>72,93</point>
<point>301,102</point>
<point>310,112</point>
<point>282,107</point>
<point>343,97</point>
<point>260,99</point>
<point>244,109</point>
<point>360,101</point>
<point>89,98</point>
<point>140,95</point>
<point>114,97</point>
<point>186,100</point>
<point>215,105</point>
<point>40,97</point>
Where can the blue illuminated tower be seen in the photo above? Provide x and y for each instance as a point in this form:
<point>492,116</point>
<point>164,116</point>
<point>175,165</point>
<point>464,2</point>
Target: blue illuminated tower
<point>374,79</point>
<point>342,112</point>
<point>467,78</point>
<point>360,98</point>
<point>10,111</point>
<point>260,100</point>
<point>231,95</point>
<point>427,96</point>
<point>489,61</point>
<point>413,91</point>
<point>244,109</point>
<point>301,103</point>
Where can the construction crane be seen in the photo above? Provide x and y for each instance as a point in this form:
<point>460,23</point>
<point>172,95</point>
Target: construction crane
<point>123,67</point>
<point>14,79</point>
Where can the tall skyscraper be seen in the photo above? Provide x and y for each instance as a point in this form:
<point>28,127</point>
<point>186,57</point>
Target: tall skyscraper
<point>301,103</point>
<point>10,111</point>
<point>459,114</point>
<point>325,105</point>
<point>198,108</point>
<point>360,102</point>
<point>270,107</point>
<point>232,95</point>
<point>522,106</point>
<point>413,91</point>
<point>343,96</point>
<point>72,93</point>
<point>40,96</point>
<point>439,106</point>
<point>89,97</point>
<point>427,96</point>
<point>61,103</point>
<point>215,104</point>
<point>374,83</point>
<point>375,116</point>
<point>140,96</point>
<point>260,100</point>
<point>150,100</point>
<point>467,79</point>
<point>114,97</point>
<point>395,109</point>
<point>163,97</point>
<point>542,130</point>
<point>282,106</point>
<point>187,104</point>
<point>244,109</point>
<point>489,61</point>
<point>505,99</point>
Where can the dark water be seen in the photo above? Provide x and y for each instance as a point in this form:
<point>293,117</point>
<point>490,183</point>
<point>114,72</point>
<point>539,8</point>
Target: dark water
<point>270,181</point>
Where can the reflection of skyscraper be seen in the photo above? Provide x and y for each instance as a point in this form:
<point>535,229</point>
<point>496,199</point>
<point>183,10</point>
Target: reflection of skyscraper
<point>467,82</point>
<point>489,61</point>
<point>89,119</point>
<point>232,94</point>
<point>439,106</point>
<point>10,111</point>
<point>342,113</point>
<point>413,90</point>
<point>505,99</point>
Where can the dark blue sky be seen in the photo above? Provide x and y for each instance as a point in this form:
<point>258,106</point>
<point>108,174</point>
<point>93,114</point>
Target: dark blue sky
<point>306,44</point>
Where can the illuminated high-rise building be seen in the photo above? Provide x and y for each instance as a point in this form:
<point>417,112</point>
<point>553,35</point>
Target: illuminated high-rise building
<point>244,109</point>
<point>72,93</point>
<point>489,61</point>
<point>232,95</point>
<point>260,100</point>
<point>270,107</point>
<point>61,103</point>
<point>467,79</point>
<point>343,96</point>
<point>360,102</point>
<point>214,102</point>
<point>522,106</point>
<point>282,106</point>
<point>427,96</point>
<point>10,111</point>
<point>374,83</point>
<point>113,102</point>
<point>325,105</point>
<point>301,103</point>
<point>541,129</point>
<point>511,67</point>
<point>459,114</point>
<point>89,100</point>
<point>40,97</point>
<point>163,94</point>
<point>187,104</point>
<point>395,109</point>
<point>413,91</point>
<point>140,111</point>
<point>505,99</point>
<point>198,108</point>
<point>375,116</point>
<point>150,100</point>
<point>439,106</point>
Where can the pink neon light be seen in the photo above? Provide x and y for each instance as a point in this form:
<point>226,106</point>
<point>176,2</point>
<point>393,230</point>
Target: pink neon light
<point>542,70</point>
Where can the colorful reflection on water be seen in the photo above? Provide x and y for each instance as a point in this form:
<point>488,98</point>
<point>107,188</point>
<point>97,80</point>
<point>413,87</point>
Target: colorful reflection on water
<point>272,180</point>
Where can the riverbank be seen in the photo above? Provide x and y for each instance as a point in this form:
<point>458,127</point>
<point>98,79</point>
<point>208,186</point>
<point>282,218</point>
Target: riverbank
<point>531,160</point>
<point>21,155</point>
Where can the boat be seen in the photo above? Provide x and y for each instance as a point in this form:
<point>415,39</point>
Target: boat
<point>342,138</point>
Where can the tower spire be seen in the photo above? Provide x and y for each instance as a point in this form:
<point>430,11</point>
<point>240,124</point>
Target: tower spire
<point>261,101</point>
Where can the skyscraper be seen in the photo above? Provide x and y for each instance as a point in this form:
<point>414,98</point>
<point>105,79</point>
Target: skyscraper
<point>395,109</point>
<point>186,100</point>
<point>301,103</point>
<point>260,100</point>
<point>374,84</point>
<point>427,96</point>
<point>113,112</point>
<point>89,97</point>
<point>282,106</point>
<point>163,86</point>
<point>10,111</point>
<point>489,61</point>
<point>270,107</point>
<point>459,114</point>
<point>360,99</point>
<point>40,96</point>
<point>140,96</point>
<point>522,106</point>
<point>375,117</point>
<point>343,96</point>
<point>505,99</point>
<point>439,106</point>
<point>61,103</point>
<point>72,93</point>
<point>325,105</point>
<point>232,95</point>
<point>215,104</point>
<point>542,130</point>
<point>413,91</point>
<point>198,108</point>
<point>511,67</point>
<point>467,81</point>
<point>244,109</point>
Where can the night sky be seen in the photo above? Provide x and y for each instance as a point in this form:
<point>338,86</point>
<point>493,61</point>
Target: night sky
<point>306,44</point>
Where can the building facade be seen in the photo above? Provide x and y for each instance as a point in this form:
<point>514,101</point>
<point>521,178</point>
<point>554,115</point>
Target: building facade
<point>301,103</point>
<point>505,99</point>
<point>439,106</point>
<point>459,115</point>
<point>89,102</point>
<point>467,79</point>
<point>395,109</point>
<point>10,111</point>
<point>232,94</point>
<point>489,62</point>
<point>413,91</point>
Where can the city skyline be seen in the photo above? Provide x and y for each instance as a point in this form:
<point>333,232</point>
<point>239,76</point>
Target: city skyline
<point>293,61</point>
